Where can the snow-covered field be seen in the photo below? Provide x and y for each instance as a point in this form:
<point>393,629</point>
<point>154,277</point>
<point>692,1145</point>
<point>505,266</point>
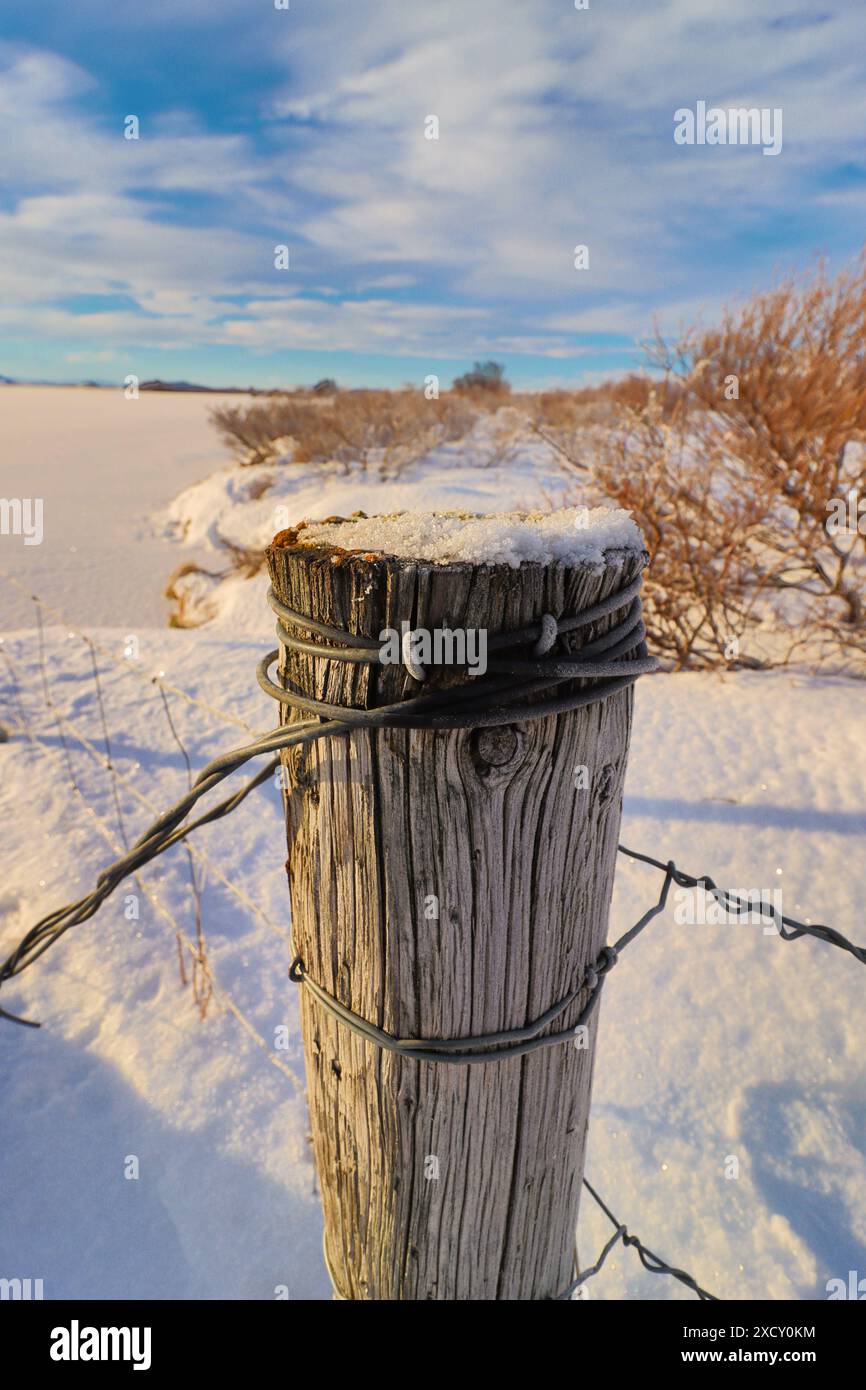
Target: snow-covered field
<point>499,467</point>
<point>716,1042</point>
<point>102,466</point>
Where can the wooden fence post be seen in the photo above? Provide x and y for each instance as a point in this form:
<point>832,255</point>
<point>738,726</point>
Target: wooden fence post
<point>446,884</point>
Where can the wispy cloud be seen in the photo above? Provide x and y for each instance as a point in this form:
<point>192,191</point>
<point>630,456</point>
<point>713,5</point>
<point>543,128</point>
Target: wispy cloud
<point>554,129</point>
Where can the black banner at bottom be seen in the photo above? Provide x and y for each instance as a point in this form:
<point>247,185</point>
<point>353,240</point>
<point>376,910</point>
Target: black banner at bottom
<point>62,1339</point>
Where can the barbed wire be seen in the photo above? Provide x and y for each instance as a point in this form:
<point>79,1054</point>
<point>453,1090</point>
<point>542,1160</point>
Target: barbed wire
<point>135,791</point>
<point>163,687</point>
<point>602,660</point>
<point>223,994</point>
<point>420,711</point>
<point>220,991</point>
<point>195,948</point>
<point>608,661</point>
<point>651,1262</point>
<point>789,929</point>
<point>620,1234</point>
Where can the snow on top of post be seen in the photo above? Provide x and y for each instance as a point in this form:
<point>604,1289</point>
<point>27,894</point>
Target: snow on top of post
<point>572,535</point>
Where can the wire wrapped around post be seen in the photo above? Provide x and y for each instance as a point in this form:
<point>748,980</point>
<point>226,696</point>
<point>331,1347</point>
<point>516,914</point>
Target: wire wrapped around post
<point>450,880</point>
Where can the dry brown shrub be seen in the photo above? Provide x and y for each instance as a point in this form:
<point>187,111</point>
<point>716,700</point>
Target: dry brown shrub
<point>481,399</point>
<point>570,421</point>
<point>796,357</point>
<point>258,487</point>
<point>703,589</point>
<point>394,427</point>
<point>185,614</point>
<point>733,481</point>
<point>603,402</point>
<point>195,602</point>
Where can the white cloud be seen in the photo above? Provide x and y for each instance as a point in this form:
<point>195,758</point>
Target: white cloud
<point>555,128</point>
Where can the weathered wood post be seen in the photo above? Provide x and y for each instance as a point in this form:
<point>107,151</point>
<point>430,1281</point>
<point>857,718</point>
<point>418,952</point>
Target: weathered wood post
<point>446,884</point>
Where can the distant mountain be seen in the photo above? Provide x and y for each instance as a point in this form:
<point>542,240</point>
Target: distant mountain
<point>46,381</point>
<point>158,385</point>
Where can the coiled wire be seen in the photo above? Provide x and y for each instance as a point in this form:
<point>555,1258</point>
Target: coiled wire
<point>485,702</point>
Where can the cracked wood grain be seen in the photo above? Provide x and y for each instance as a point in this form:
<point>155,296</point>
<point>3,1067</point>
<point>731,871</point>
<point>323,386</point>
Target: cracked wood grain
<point>490,824</point>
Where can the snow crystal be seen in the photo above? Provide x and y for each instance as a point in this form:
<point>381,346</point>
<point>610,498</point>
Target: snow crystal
<point>573,535</point>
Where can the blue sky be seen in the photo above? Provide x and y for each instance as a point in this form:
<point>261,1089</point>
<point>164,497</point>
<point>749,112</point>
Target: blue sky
<point>305,127</point>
